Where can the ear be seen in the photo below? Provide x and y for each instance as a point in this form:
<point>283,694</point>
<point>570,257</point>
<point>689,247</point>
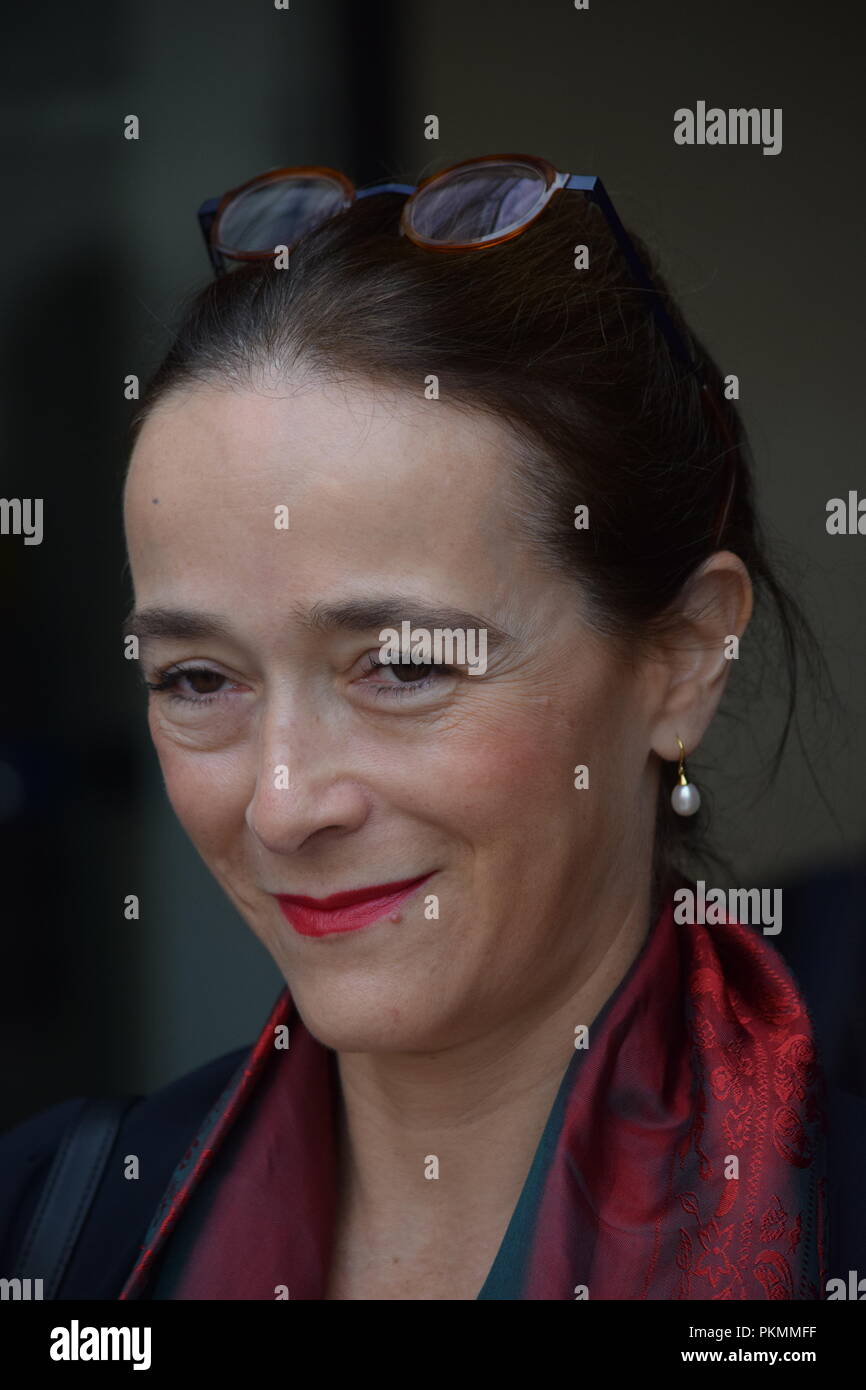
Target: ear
<point>694,661</point>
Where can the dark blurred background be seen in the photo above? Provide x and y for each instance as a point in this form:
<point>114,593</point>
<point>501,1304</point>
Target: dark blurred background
<point>100,242</point>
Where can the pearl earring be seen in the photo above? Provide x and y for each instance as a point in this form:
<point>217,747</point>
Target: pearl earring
<point>685,797</point>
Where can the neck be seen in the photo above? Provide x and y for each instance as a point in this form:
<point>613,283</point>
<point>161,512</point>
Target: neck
<point>473,1114</point>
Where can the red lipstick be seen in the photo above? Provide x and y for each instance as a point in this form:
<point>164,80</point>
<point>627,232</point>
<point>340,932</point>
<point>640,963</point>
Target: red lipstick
<point>346,911</point>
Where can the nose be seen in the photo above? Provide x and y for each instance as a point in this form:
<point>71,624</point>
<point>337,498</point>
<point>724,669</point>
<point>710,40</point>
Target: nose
<point>303,783</point>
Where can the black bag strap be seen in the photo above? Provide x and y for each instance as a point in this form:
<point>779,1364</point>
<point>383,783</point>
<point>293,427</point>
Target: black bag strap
<point>69,1190</point>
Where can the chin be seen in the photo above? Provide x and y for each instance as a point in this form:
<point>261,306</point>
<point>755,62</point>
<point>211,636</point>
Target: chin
<point>363,1019</point>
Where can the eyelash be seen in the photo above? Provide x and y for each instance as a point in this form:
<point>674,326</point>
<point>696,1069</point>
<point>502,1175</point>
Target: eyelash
<point>408,687</point>
<point>167,681</point>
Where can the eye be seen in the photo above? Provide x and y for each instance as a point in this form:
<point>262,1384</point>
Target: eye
<point>409,678</point>
<point>170,681</point>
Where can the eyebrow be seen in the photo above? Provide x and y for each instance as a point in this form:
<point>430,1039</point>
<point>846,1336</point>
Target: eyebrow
<point>354,615</point>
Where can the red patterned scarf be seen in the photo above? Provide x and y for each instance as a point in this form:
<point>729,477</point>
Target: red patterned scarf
<point>683,1157</point>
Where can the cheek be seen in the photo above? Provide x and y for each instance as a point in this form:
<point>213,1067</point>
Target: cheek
<point>207,792</point>
<point>508,786</point>
<point>514,768</point>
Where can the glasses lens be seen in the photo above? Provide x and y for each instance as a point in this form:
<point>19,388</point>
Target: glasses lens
<point>278,213</point>
<point>477,204</point>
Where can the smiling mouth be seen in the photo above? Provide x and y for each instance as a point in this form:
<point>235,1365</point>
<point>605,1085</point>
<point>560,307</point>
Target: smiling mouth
<point>348,911</point>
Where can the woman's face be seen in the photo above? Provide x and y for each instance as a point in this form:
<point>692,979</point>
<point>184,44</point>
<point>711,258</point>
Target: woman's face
<point>297,768</point>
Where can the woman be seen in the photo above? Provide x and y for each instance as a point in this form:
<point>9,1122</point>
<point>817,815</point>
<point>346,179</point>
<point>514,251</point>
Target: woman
<point>505,1064</point>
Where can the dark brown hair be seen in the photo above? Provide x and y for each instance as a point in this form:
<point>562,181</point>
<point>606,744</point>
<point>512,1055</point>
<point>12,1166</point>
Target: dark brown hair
<point>573,360</point>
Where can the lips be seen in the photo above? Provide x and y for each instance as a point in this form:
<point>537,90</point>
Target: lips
<point>348,911</point>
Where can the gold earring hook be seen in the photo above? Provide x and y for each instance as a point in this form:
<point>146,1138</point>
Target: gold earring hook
<point>681,774</point>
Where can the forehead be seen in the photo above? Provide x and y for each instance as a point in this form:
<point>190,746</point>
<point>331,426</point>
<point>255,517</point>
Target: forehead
<point>209,446</point>
<point>372,480</point>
